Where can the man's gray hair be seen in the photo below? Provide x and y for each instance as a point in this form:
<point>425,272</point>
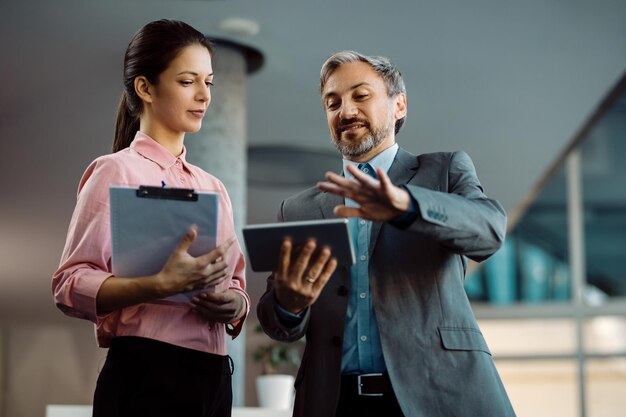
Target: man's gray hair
<point>387,71</point>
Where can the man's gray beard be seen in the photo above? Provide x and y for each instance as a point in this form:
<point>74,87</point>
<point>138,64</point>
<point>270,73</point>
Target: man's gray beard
<point>369,142</point>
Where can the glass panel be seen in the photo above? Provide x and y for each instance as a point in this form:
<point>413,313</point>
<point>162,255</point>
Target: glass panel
<point>606,385</point>
<point>603,171</point>
<point>532,265</point>
<point>525,337</point>
<point>605,335</point>
<point>541,388</point>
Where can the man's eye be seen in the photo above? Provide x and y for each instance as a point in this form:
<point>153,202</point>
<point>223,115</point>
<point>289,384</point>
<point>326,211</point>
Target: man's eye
<point>332,105</point>
<point>361,96</point>
<point>209,83</point>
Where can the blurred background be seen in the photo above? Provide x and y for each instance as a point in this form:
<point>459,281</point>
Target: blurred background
<point>534,91</point>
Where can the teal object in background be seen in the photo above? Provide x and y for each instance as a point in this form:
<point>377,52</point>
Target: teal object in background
<point>474,285</point>
<point>501,275</point>
<point>560,283</point>
<point>535,270</point>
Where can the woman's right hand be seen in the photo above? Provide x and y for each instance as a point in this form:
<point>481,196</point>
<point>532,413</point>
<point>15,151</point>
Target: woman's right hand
<point>183,272</point>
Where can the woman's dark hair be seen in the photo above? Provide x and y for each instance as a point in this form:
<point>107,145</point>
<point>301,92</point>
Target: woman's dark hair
<point>149,53</point>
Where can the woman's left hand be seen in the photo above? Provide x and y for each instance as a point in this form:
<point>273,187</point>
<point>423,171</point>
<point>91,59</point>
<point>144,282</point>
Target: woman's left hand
<point>225,306</point>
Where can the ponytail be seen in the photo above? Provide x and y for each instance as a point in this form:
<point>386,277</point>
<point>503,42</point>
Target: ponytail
<point>149,53</point>
<point>126,126</point>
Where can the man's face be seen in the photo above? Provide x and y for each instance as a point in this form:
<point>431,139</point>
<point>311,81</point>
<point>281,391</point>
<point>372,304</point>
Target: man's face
<point>361,116</point>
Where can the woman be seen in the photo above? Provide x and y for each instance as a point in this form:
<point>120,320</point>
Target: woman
<point>165,358</point>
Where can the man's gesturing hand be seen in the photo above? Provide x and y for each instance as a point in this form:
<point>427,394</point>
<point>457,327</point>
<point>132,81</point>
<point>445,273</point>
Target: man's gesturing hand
<point>379,200</point>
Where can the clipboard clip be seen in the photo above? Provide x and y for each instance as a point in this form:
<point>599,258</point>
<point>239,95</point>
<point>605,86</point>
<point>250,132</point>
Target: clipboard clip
<point>183,194</point>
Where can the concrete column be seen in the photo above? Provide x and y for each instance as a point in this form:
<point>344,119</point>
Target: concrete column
<point>220,148</point>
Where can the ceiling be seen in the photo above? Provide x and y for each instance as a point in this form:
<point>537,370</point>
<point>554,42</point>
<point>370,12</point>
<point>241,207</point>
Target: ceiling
<point>509,82</point>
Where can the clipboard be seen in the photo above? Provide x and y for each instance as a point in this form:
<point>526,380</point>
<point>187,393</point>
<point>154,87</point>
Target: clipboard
<point>263,241</point>
<point>147,223</point>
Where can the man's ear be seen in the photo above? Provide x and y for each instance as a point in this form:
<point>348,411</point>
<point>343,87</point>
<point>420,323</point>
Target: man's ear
<point>143,89</point>
<point>400,106</point>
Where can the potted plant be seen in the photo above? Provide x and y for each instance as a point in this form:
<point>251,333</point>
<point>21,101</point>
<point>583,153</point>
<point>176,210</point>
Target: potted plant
<point>279,362</point>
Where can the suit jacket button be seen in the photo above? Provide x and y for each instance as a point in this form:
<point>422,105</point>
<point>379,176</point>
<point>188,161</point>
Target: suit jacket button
<point>336,341</point>
<point>342,290</point>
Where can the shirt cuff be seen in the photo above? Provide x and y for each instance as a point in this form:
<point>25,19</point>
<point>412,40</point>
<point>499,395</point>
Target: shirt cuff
<point>404,220</point>
<point>287,318</point>
<point>233,329</point>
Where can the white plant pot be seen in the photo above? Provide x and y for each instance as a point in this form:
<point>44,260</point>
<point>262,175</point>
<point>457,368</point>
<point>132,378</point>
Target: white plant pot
<point>275,391</point>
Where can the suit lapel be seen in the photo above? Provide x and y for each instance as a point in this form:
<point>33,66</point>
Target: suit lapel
<point>327,203</point>
<point>401,171</point>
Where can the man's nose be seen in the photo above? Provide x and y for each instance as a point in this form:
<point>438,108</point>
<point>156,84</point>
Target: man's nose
<point>348,110</point>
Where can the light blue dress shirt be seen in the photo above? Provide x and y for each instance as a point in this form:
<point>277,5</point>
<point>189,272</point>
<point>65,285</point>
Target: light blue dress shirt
<point>362,351</point>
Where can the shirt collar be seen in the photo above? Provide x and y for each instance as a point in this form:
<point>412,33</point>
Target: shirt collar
<point>382,160</point>
<point>154,151</point>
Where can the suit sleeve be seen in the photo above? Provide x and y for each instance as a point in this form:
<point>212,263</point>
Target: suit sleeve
<point>463,219</point>
<point>268,315</point>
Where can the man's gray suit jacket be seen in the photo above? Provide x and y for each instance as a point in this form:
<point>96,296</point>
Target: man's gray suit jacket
<point>436,356</point>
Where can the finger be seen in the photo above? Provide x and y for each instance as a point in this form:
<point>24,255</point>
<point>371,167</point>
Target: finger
<point>216,253</point>
<point>342,210</point>
<point>303,259</point>
<point>206,308</point>
<point>385,182</point>
<point>327,272</point>
<point>362,177</point>
<point>284,259</point>
<point>317,267</point>
<point>214,267</point>
<point>342,182</point>
<point>336,178</point>
<point>333,189</point>
<point>215,278</point>
<point>188,239</point>
<point>216,310</point>
<point>216,298</point>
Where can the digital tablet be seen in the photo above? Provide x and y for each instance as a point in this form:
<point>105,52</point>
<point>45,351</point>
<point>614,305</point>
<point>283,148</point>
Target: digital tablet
<point>263,241</point>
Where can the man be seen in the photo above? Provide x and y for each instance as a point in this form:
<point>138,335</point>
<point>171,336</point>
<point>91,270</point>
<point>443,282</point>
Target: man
<point>393,335</point>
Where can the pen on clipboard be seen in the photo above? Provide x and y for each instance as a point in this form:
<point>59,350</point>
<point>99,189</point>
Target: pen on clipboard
<point>162,184</point>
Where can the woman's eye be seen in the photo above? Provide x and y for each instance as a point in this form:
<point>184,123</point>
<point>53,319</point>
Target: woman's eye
<point>209,83</point>
<point>186,82</point>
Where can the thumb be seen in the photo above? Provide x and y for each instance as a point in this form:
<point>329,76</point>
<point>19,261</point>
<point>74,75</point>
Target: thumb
<point>188,239</point>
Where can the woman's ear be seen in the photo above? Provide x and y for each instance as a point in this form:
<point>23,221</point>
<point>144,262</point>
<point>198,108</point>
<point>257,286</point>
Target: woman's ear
<point>143,89</point>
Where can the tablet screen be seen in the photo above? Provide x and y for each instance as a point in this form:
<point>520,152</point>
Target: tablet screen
<point>263,241</point>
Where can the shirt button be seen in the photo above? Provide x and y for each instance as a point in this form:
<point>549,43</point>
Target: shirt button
<point>178,162</point>
<point>362,295</point>
<point>363,257</point>
<point>182,179</point>
<point>363,338</point>
<point>362,222</point>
